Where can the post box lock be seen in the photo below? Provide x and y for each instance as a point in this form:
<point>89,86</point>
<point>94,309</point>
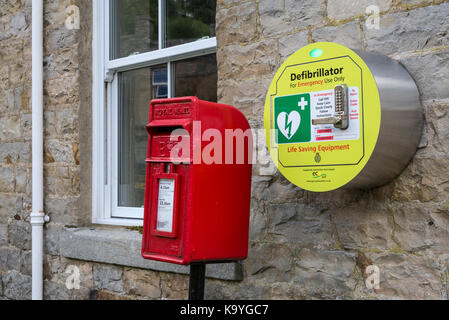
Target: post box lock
<point>195,212</point>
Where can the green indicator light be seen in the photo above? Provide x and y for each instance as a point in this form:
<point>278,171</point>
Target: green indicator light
<point>315,53</point>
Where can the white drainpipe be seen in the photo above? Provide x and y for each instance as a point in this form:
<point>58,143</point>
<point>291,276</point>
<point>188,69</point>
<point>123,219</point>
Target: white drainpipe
<point>38,217</point>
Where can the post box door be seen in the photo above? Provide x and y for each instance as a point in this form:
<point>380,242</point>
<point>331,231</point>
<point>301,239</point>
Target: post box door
<point>166,209</point>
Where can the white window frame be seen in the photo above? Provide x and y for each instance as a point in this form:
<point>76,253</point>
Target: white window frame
<point>105,110</point>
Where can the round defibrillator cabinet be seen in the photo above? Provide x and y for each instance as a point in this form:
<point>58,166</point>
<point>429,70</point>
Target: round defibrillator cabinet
<point>337,118</point>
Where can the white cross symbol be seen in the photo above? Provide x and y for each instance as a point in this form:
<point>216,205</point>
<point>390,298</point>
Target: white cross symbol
<point>303,104</point>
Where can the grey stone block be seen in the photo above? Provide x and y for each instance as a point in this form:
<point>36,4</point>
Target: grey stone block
<point>60,150</point>
<point>13,261</point>
<point>249,61</point>
<point>62,210</point>
<point>1,286</point>
<point>23,180</point>
<point>297,223</point>
<point>20,23</point>
<point>277,18</point>
<point>26,263</point>
<point>326,274</point>
<point>10,258</point>
<point>19,235</point>
<point>302,13</point>
<point>412,277</point>
<point>237,24</point>
<point>3,257</point>
<point>16,152</point>
<point>348,35</point>
<point>258,221</point>
<point>51,243</point>
<point>3,234</point>
<point>418,29</point>
<point>56,291</point>
<point>272,262</point>
<point>430,71</point>
<point>344,9</point>
<point>11,129</point>
<point>418,228</point>
<point>6,176</point>
<point>123,247</point>
<point>367,228</point>
<point>16,286</point>
<point>292,43</point>
<point>108,277</point>
<point>10,205</point>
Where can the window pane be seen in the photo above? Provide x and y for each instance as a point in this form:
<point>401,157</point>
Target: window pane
<point>134,27</point>
<point>189,20</point>
<point>136,89</point>
<point>196,77</point>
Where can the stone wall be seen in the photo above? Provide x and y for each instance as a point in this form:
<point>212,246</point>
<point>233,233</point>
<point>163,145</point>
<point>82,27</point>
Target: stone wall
<point>303,245</point>
<point>15,148</point>
<point>61,100</point>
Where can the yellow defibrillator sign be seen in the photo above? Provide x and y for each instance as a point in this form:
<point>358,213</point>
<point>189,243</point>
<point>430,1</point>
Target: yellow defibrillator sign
<point>322,117</point>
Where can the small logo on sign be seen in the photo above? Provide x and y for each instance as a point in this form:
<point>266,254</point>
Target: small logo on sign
<point>317,158</point>
<point>316,175</point>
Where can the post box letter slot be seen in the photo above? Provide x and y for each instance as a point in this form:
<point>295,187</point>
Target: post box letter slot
<point>167,131</point>
<point>165,209</point>
<point>167,126</point>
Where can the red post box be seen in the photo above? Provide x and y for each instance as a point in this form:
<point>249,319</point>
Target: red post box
<point>197,210</point>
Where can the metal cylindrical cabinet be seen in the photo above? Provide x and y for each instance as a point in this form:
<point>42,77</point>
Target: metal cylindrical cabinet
<point>401,122</point>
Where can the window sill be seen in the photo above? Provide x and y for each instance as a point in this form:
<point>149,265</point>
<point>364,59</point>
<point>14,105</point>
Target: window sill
<point>123,247</point>
<point>120,222</point>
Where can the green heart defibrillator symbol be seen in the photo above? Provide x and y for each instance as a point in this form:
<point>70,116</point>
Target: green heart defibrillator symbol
<point>293,119</point>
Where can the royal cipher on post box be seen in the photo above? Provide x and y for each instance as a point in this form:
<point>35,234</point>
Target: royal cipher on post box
<point>197,210</point>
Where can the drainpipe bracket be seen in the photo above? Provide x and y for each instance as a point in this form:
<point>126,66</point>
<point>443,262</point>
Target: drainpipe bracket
<point>39,219</point>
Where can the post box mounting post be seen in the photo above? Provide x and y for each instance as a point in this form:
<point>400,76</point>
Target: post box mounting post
<point>196,283</point>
